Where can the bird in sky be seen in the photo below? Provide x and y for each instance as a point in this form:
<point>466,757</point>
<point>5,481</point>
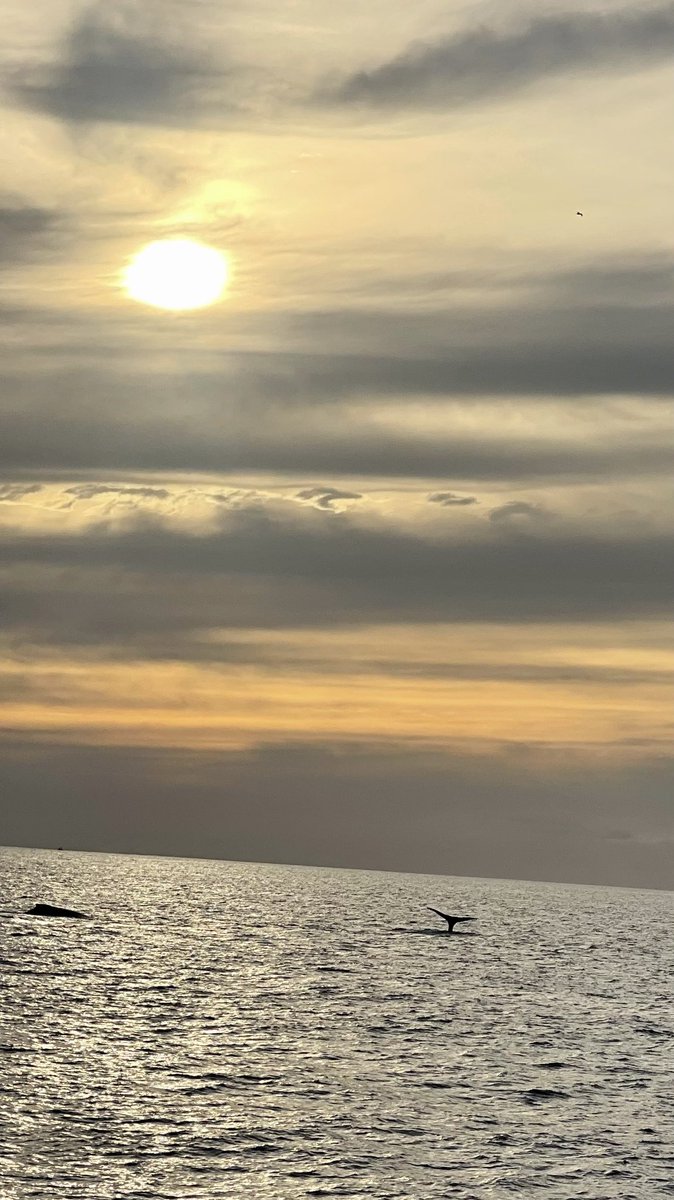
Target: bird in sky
<point>579,214</point>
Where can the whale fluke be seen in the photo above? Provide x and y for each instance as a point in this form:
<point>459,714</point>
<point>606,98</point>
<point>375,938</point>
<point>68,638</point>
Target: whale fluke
<point>52,910</point>
<point>451,921</point>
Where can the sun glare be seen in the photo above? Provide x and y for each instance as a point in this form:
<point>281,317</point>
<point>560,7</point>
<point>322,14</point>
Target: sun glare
<point>177,274</point>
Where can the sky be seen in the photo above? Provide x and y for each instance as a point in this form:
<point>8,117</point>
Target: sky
<point>369,563</point>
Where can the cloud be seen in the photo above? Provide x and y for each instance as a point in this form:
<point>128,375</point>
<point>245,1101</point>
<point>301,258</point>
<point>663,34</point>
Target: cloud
<point>330,570</point>
<point>24,221</point>
<point>451,500</point>
<point>518,514</point>
<point>132,614</point>
<point>634,277</point>
<point>13,493</point>
<point>25,229</point>
<point>87,491</point>
<point>134,65</point>
<point>83,393</point>
<point>559,335</point>
<point>93,619</point>
<point>627,277</point>
<point>325,497</point>
<point>485,64</point>
<point>534,814</point>
<point>111,74</point>
<point>267,433</point>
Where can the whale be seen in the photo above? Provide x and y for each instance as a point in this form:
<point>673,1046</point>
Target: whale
<point>52,910</point>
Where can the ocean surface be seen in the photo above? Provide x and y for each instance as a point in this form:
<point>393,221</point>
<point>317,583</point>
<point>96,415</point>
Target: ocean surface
<point>239,1030</point>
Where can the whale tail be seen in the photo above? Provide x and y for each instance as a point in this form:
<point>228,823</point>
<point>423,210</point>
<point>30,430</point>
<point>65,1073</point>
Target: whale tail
<point>451,921</point>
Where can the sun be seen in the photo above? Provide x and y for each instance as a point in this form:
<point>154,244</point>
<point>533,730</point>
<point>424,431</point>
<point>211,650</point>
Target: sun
<point>177,274</point>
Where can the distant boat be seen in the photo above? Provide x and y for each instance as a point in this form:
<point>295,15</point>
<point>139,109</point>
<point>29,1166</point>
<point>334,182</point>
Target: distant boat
<point>451,921</point>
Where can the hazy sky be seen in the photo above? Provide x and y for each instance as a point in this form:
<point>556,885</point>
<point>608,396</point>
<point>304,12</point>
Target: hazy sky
<point>369,563</point>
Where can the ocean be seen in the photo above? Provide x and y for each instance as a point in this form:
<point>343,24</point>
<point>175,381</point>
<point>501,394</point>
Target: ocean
<point>222,1029</point>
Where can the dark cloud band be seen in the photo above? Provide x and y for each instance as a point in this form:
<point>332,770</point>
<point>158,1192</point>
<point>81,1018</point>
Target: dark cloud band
<point>331,570</point>
<point>484,64</point>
